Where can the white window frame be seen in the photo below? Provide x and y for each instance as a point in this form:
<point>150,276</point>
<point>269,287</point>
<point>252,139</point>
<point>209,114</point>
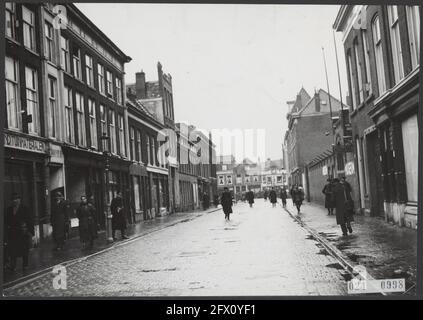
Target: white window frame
<point>413,24</point>
<point>14,115</point>
<point>32,104</point>
<point>109,84</point>
<point>76,63</point>
<point>93,123</point>
<point>132,143</point>
<point>89,72</point>
<point>394,32</point>
<point>352,82</point>
<point>366,53</point>
<point>52,107</point>
<point>118,83</point>
<point>28,28</point>
<point>49,49</point>
<point>65,54</point>
<point>112,131</point>
<point>100,78</point>
<point>139,146</point>
<point>103,125</point>
<point>121,135</point>
<point>10,20</point>
<point>69,126</point>
<point>378,51</point>
<point>79,105</point>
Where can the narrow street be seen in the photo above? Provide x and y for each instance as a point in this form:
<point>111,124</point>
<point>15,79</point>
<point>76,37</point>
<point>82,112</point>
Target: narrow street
<point>261,251</point>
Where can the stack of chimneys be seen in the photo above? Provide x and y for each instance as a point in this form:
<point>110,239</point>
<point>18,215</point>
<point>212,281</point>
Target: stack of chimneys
<point>140,87</point>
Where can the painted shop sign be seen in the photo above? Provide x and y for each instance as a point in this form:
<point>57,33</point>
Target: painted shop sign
<point>325,170</point>
<point>24,143</point>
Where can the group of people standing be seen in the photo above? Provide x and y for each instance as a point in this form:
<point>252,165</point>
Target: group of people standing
<point>338,196</point>
<point>19,227</point>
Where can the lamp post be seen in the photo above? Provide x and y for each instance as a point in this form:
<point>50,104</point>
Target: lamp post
<point>107,213</point>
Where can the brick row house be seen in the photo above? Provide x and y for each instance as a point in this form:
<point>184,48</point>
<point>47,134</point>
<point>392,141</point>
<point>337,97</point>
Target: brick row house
<point>382,52</point>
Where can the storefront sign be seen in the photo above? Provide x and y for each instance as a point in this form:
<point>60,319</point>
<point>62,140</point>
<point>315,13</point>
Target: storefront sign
<point>56,154</point>
<point>349,168</point>
<point>24,143</point>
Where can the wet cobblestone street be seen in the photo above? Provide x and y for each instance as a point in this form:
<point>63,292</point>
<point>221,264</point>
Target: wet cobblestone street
<point>261,251</point>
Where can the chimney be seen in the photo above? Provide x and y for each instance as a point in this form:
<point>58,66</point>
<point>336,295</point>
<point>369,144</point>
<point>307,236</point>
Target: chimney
<point>317,101</point>
<point>140,85</point>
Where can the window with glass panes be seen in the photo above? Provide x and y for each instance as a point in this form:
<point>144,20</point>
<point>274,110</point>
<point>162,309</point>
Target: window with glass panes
<point>14,118</point>
<point>32,106</point>
<point>132,142</point>
<point>413,24</point>
<point>49,42</point>
<point>395,43</point>
<point>80,114</point>
<point>10,20</point>
<point>112,129</point>
<point>121,136</point>
<point>139,153</point>
<point>100,78</point>
<point>52,106</point>
<point>89,70</point>
<point>76,61</point>
<point>64,54</point>
<point>147,140</point>
<point>28,24</point>
<point>358,65</point>
<point>368,87</point>
<point>118,90</point>
<point>93,123</point>
<point>378,51</point>
<point>103,126</point>
<point>68,102</point>
<point>109,84</point>
<point>352,81</point>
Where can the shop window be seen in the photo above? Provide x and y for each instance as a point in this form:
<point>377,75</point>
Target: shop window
<point>410,140</point>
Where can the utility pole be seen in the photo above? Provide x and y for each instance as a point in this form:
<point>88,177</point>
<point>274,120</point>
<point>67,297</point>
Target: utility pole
<point>330,103</point>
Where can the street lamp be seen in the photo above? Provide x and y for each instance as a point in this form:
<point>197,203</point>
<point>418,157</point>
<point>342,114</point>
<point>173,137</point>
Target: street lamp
<point>107,213</point>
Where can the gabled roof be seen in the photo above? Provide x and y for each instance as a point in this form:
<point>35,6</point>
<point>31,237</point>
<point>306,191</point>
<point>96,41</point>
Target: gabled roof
<point>301,100</point>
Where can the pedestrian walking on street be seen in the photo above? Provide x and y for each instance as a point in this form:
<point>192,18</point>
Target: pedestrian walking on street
<point>284,195</point>
<point>250,197</point>
<point>206,201</point>
<point>297,194</point>
<point>226,201</point>
<point>273,197</point>
<point>19,232</point>
<point>60,221</point>
<point>216,200</point>
<point>344,206</point>
<point>265,195</point>
<point>87,223</point>
<point>118,216</point>
<point>329,197</point>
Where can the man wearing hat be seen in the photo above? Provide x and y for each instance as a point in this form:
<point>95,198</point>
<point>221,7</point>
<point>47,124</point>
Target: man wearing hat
<point>19,232</point>
<point>59,220</point>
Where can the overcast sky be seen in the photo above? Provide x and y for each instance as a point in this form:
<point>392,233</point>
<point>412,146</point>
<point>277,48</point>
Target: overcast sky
<point>232,66</point>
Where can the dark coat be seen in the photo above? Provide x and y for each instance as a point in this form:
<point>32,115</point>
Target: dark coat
<point>272,196</point>
<point>60,220</point>
<point>329,197</point>
<point>297,196</point>
<point>250,196</point>
<point>19,231</point>
<point>226,202</point>
<point>284,195</point>
<point>341,195</point>
<point>87,222</point>
<point>118,214</point>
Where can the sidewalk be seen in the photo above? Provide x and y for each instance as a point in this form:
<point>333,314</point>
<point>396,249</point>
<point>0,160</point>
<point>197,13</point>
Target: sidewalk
<point>43,257</point>
<point>387,251</point>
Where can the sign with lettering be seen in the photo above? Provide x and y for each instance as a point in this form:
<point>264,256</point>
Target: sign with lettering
<point>325,170</point>
<point>24,143</point>
<point>56,154</point>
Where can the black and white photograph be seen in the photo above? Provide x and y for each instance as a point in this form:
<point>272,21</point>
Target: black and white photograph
<point>210,150</point>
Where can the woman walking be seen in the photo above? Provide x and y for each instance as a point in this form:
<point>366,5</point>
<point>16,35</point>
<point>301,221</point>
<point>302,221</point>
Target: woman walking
<point>329,199</point>
<point>284,196</point>
<point>226,202</point>
<point>297,197</point>
<point>87,223</point>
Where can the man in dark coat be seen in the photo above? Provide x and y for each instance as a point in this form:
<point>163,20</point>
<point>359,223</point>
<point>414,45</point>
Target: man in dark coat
<point>19,232</point>
<point>250,197</point>
<point>226,201</point>
<point>329,198</point>
<point>344,211</point>
<point>118,216</point>
<point>273,197</point>
<point>87,223</point>
<point>206,201</point>
<point>59,220</point>
<point>297,194</point>
<point>284,196</point>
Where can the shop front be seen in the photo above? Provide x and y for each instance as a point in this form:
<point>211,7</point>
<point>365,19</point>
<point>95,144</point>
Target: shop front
<point>25,173</point>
